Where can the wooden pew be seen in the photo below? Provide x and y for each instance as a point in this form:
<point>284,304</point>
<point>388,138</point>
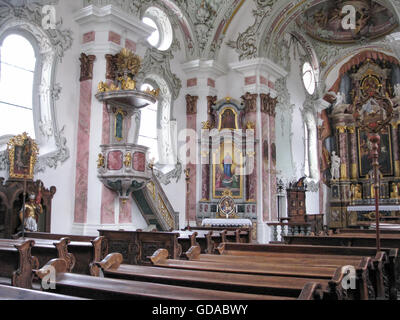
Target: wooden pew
<point>14,293</point>
<point>388,240</point>
<point>255,284</point>
<point>331,273</point>
<point>115,289</point>
<point>80,252</point>
<point>244,233</point>
<point>379,267</point>
<point>45,250</point>
<point>17,264</point>
<point>136,246</point>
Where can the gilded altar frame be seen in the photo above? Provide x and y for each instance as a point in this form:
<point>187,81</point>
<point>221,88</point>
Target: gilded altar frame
<point>22,153</point>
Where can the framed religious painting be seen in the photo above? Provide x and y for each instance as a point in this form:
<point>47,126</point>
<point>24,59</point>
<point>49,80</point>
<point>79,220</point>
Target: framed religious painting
<point>22,153</point>
<point>227,168</point>
<point>385,153</point>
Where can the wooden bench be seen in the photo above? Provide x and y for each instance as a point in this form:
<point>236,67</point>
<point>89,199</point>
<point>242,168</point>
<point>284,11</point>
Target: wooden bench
<point>80,252</point>
<point>45,250</point>
<point>115,289</point>
<point>256,284</point>
<point>13,293</point>
<point>388,240</point>
<point>17,264</point>
<point>136,246</point>
<point>333,274</point>
<point>245,234</point>
<point>382,264</point>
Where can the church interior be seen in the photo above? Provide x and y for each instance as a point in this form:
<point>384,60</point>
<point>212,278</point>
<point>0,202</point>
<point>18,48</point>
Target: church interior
<point>200,149</point>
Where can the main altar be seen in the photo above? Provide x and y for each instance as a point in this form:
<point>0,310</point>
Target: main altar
<point>227,153</point>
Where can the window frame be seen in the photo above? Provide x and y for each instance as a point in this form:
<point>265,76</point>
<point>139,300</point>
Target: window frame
<point>50,48</point>
<point>36,75</point>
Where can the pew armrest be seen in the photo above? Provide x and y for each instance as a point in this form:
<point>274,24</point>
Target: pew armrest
<point>193,253</point>
<point>221,248</point>
<point>311,291</point>
<point>159,256</point>
<point>58,265</point>
<point>111,262</point>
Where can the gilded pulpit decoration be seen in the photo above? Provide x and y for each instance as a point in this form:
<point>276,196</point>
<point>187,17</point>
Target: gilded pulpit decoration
<point>128,160</point>
<point>191,104</point>
<point>87,62</point>
<point>22,153</point>
<point>268,104</point>
<point>126,169</point>
<point>250,102</point>
<point>100,161</point>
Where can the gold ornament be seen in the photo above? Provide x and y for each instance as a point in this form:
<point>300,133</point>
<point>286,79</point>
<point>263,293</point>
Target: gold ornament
<point>128,160</point>
<point>100,161</point>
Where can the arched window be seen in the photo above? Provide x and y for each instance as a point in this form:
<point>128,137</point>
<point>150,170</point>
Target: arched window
<point>148,128</point>
<point>306,151</point>
<point>309,78</point>
<point>17,74</point>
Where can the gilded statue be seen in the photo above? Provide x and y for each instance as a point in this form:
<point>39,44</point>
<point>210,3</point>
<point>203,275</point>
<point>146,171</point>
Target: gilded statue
<point>100,161</point>
<point>128,83</point>
<point>394,194</point>
<point>358,192</point>
<point>32,211</point>
<point>128,160</point>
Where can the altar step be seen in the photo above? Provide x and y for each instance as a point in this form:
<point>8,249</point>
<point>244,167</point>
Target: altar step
<point>155,206</point>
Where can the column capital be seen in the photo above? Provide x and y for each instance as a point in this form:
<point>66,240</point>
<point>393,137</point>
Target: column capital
<point>268,104</point>
<point>250,102</point>
<point>87,62</point>
<point>191,104</point>
<point>201,75</point>
<point>259,74</point>
<point>109,29</point>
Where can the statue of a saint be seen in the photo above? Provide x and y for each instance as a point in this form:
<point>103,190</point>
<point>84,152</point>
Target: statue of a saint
<point>395,191</point>
<point>32,211</point>
<point>335,166</point>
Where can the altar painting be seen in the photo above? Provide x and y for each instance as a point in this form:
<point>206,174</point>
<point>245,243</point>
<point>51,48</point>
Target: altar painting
<point>227,171</point>
<point>385,154</point>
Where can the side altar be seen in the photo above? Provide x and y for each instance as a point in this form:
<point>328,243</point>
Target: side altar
<point>228,181</point>
<point>346,147</point>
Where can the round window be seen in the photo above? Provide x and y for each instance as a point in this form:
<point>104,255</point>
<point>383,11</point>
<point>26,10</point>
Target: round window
<point>161,38</point>
<point>308,78</point>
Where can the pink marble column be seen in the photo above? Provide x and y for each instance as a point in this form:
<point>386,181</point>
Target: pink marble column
<point>82,156</point>
<point>268,105</point>
<point>273,185</point>
<point>125,211</point>
<point>250,102</point>
<point>191,124</point>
